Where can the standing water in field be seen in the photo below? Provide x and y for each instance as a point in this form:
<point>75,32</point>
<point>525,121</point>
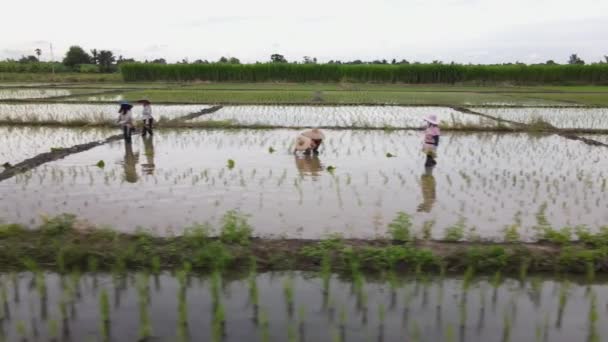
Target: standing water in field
<point>484,183</point>
<point>297,306</point>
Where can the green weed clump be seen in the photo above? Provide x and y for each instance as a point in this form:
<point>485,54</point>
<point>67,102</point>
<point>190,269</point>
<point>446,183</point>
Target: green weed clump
<point>235,228</point>
<point>456,232</point>
<point>400,228</point>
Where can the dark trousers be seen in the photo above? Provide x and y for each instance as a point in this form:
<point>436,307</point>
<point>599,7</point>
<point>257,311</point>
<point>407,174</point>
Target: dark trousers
<point>147,127</point>
<point>126,132</point>
<point>430,161</point>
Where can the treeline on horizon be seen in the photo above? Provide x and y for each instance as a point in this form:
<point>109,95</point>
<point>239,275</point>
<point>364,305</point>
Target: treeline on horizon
<point>380,73</point>
<point>76,59</point>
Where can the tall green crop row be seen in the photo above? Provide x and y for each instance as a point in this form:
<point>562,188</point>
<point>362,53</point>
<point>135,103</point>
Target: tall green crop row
<point>32,67</point>
<point>412,73</point>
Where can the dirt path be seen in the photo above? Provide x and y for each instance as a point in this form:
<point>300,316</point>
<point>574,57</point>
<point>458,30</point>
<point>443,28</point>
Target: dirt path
<point>563,132</point>
<point>56,154</point>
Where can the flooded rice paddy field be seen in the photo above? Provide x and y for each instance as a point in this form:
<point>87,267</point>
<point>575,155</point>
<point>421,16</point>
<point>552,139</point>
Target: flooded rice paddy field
<point>297,307</point>
<point>603,138</point>
<point>590,118</point>
<point>351,116</point>
<point>97,98</point>
<point>484,181</point>
<point>21,94</point>
<point>93,113</point>
<point>20,143</point>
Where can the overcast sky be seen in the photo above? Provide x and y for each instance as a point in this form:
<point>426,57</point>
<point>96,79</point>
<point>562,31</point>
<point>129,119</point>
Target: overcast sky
<point>477,31</point>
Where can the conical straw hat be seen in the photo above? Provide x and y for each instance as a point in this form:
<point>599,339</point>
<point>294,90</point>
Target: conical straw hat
<point>432,119</point>
<point>303,143</point>
<point>314,134</point>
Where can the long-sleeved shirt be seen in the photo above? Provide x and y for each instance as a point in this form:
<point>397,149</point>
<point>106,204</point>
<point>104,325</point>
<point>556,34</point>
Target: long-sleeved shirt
<point>125,119</point>
<point>146,113</point>
<point>431,135</point>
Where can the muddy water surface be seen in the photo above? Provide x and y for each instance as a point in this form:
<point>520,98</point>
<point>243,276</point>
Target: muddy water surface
<point>66,308</point>
<point>589,118</point>
<point>483,181</point>
<point>349,116</point>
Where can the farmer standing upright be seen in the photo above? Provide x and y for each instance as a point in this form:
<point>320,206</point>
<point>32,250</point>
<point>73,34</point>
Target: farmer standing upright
<point>125,120</point>
<point>431,140</point>
<point>147,118</point>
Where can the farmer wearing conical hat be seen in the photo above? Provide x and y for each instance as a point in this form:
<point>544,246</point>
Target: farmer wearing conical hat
<point>303,144</point>
<point>316,136</point>
<point>125,120</point>
<point>431,140</point>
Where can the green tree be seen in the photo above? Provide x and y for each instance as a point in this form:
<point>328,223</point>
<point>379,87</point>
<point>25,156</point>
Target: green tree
<point>38,53</point>
<point>574,59</point>
<point>105,59</point>
<point>234,60</point>
<point>277,58</point>
<point>28,59</point>
<point>550,62</point>
<point>223,60</point>
<point>76,55</point>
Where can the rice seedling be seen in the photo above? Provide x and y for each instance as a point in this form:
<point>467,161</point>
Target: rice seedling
<point>21,330</point>
<point>302,323</point>
<point>507,326</point>
<point>219,322</point>
<point>288,292</point>
<point>593,335</point>
<point>143,295</point>
<point>182,324</point>
<point>264,324</point>
<point>104,310</point>
<point>53,330</point>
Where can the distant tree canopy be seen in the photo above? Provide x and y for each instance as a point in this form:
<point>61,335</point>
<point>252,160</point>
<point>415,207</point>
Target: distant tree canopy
<point>28,59</point>
<point>277,58</point>
<point>309,60</point>
<point>574,59</point>
<point>76,55</point>
<point>105,59</point>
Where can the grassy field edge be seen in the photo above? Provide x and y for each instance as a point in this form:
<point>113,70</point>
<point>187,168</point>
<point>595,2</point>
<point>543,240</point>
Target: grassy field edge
<point>63,243</point>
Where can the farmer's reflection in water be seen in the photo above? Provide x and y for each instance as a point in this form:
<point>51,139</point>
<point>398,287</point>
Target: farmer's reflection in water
<point>427,184</point>
<point>308,165</point>
<point>148,167</point>
<point>130,163</point>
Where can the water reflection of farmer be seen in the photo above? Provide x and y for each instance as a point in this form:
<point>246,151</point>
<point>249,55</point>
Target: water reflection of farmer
<point>308,165</point>
<point>130,163</point>
<point>427,184</point>
<point>148,167</point>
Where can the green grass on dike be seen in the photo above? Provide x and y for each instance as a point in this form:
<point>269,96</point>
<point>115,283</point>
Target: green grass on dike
<point>64,243</point>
